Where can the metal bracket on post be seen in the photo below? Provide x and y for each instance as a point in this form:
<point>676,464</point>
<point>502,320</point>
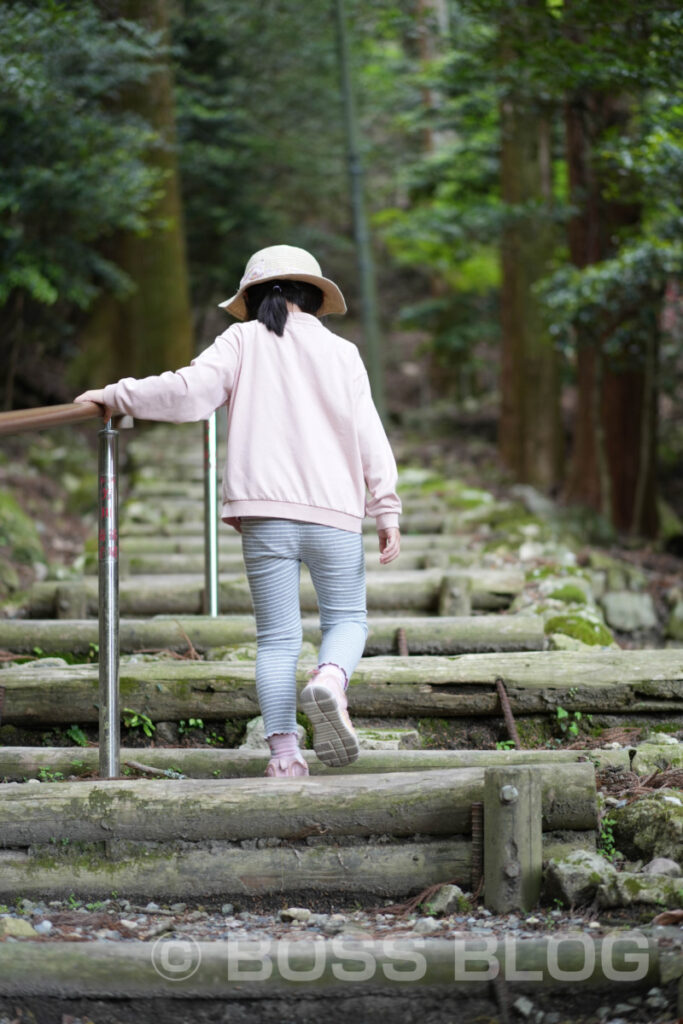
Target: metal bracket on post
<point>108,592</point>
<point>210,519</point>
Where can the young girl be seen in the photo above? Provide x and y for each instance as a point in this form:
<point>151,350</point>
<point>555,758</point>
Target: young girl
<point>304,443</point>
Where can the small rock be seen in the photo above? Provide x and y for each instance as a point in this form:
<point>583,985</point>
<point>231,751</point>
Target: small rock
<point>178,908</point>
<point>661,737</point>
<point>43,927</point>
<point>656,999</point>
<point>629,611</point>
<point>227,908</point>
<point>594,924</point>
<point>33,782</point>
<point>295,914</point>
<point>523,1006</point>
<point>575,878</point>
<point>663,866</point>
<point>334,924</point>
<point>447,900</point>
<point>425,925</point>
<point>152,908</point>
<point>108,933</point>
<point>167,732</point>
<point>674,626</point>
<point>17,928</point>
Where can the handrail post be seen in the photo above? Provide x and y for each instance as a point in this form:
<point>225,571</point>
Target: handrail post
<point>210,519</point>
<point>108,596</point>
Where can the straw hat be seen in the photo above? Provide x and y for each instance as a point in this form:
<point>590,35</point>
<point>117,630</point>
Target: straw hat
<point>285,262</point>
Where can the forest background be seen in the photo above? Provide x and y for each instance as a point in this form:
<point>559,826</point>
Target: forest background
<point>523,168</point>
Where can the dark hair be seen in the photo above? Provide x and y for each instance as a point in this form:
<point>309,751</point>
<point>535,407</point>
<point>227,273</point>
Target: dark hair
<point>267,302</point>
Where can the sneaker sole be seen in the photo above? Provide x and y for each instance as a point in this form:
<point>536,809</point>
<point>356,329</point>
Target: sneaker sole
<point>334,743</point>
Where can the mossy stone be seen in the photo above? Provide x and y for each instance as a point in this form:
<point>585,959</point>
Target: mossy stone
<point>651,827</point>
<point>595,634</point>
<point>570,594</point>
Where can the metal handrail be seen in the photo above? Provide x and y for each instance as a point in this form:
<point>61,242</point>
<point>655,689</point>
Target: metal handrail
<point>22,420</point>
<point>107,560</point>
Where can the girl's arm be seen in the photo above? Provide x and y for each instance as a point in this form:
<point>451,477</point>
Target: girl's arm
<point>379,469</point>
<point>189,394</point>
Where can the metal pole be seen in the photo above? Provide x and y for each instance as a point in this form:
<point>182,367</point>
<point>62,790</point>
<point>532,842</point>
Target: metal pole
<point>210,519</point>
<point>366,267</point>
<point>108,583</point>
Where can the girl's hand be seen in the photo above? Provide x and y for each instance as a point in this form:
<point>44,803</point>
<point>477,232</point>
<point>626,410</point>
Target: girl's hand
<point>96,395</point>
<point>389,544</point>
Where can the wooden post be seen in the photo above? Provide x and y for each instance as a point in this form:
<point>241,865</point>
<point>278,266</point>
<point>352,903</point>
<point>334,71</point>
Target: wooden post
<point>454,594</point>
<point>71,601</point>
<point>512,839</point>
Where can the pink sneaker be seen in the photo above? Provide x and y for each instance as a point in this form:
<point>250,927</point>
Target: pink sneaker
<point>324,701</point>
<point>287,767</point>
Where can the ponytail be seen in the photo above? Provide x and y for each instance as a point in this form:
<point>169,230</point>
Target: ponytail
<point>267,302</point>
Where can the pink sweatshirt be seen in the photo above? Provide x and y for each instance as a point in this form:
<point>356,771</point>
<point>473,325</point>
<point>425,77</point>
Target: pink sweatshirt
<point>304,437</point>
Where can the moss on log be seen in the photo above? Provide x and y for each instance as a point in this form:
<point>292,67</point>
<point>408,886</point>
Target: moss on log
<point>397,803</point>
<point>617,682</point>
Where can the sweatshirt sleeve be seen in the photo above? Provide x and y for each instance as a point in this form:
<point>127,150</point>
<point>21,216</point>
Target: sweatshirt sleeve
<point>379,465</point>
<point>189,394</point>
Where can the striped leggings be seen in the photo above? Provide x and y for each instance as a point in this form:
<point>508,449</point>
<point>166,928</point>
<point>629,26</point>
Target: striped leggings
<point>273,551</point>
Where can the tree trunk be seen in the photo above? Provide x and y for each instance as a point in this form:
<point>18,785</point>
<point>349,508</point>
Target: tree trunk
<point>530,437</point>
<point>613,463</point>
<point>151,331</point>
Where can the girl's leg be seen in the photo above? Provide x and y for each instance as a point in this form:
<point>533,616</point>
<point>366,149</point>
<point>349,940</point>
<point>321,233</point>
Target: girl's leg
<point>336,561</point>
<point>337,565</point>
<point>270,549</point>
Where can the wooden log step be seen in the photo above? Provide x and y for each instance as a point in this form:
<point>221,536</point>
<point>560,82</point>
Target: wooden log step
<point>154,563</point>
<point>397,803</point>
<point>230,543</point>
<point>176,595</point>
<point>442,635</point>
<point>215,869</point>
<point>611,681</point>
<point>246,969</point>
<point>153,523</point>
<point>19,763</point>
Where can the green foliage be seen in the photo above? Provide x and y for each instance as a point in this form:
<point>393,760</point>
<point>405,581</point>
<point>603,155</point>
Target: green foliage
<point>76,734</point>
<point>48,775</point>
<point>18,534</point>
<point>73,168</point>
<point>606,842</point>
<point>570,723</point>
<point>138,720</point>
<point>191,723</point>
